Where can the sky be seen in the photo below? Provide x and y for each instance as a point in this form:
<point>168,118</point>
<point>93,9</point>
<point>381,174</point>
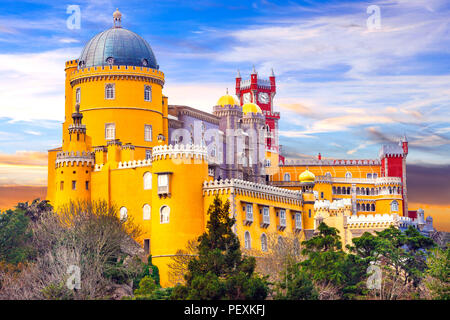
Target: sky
<point>344,84</point>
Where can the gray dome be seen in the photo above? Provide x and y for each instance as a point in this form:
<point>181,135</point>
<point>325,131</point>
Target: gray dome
<point>117,46</point>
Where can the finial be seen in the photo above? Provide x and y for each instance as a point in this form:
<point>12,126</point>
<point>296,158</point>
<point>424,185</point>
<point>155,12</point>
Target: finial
<point>238,74</point>
<point>117,18</point>
<point>273,74</point>
<point>227,91</point>
<point>254,70</point>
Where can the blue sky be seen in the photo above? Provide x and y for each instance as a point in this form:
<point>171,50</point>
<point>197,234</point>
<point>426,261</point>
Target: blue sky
<point>342,89</point>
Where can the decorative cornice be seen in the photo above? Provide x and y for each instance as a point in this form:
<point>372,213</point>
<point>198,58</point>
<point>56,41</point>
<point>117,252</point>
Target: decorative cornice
<point>179,151</point>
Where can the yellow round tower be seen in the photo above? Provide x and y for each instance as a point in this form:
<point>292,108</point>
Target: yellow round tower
<point>307,181</point>
<point>74,165</point>
<point>118,85</point>
<point>177,203</point>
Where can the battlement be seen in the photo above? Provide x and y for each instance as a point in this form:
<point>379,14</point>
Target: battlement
<point>134,164</point>
<point>251,188</point>
<point>179,151</point>
<point>335,205</point>
<point>123,72</point>
<point>71,63</point>
<point>378,221</point>
<point>74,158</point>
<point>391,150</point>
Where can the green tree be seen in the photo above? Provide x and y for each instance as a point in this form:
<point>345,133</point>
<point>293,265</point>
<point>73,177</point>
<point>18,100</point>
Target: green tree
<point>296,285</point>
<point>220,271</point>
<point>327,263</point>
<point>15,237</point>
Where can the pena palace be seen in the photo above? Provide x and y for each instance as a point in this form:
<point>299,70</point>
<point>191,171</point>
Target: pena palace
<point>164,164</point>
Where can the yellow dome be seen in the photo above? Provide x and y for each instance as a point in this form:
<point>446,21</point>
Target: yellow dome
<point>251,107</point>
<point>227,100</point>
<point>307,176</point>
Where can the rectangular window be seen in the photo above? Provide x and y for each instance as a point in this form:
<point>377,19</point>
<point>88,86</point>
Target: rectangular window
<point>148,154</point>
<point>78,95</point>
<point>87,185</point>
<point>298,221</point>
<point>266,215</point>
<point>321,195</point>
<point>249,212</point>
<point>163,183</point>
<point>147,93</point>
<point>74,185</point>
<point>283,218</point>
<point>62,185</point>
<point>148,132</point>
<point>110,131</point>
<point>110,91</point>
<point>147,246</point>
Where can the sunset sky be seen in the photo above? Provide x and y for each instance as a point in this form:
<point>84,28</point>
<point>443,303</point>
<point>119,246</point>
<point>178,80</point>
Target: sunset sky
<point>342,89</point>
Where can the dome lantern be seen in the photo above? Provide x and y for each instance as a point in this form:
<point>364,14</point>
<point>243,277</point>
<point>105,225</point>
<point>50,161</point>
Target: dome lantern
<point>117,19</point>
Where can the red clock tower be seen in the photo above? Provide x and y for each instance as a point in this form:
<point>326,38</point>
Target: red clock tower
<point>261,92</point>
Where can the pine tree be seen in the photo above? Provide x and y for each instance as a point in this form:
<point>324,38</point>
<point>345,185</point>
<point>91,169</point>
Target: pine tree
<point>220,271</point>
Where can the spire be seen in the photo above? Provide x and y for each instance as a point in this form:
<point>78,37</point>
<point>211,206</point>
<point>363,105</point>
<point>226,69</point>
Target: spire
<point>117,16</point>
<point>254,70</point>
<point>273,74</point>
<point>238,74</point>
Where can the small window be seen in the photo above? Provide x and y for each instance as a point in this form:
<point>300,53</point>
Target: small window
<point>264,242</point>
<point>321,195</point>
<point>309,213</point>
<point>78,95</point>
<point>298,221</point>
<point>123,214</point>
<point>74,185</point>
<point>87,185</point>
<point>164,214</point>
<point>110,131</point>
<point>249,212</point>
<point>375,175</point>
<point>348,175</point>
<point>148,154</point>
<point>394,206</point>
<point>147,246</point>
<point>146,211</point>
<point>61,185</point>
<point>328,175</point>
<point>266,215</point>
<point>287,177</point>
<point>148,93</point>
<point>369,176</point>
<point>283,217</point>
<point>163,183</point>
<point>110,91</point>
<point>211,172</point>
<point>147,181</point>
<point>247,240</point>
<point>148,132</point>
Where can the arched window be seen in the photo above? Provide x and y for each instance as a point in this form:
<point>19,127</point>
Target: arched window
<point>375,175</point>
<point>390,190</point>
<point>287,177</point>
<point>328,175</point>
<point>358,207</point>
<point>334,190</point>
<point>338,190</point>
<point>373,207</point>
<point>78,95</point>
<point>164,214</point>
<point>394,206</point>
<point>123,214</point>
<point>372,191</point>
<point>369,176</point>
<point>363,207</point>
<point>367,191</point>
<point>348,175</point>
<point>263,242</point>
<point>349,190</point>
<point>358,191</point>
<point>110,91</point>
<point>247,240</point>
<point>147,181</point>
<point>148,93</point>
<point>146,210</point>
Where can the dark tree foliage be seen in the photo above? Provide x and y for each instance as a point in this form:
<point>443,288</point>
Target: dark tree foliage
<point>296,285</point>
<point>220,271</point>
<point>35,209</point>
<point>327,263</point>
<point>404,252</point>
<point>15,237</point>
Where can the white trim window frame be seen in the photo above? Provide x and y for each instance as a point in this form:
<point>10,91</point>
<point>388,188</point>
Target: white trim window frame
<point>110,91</point>
<point>282,217</point>
<point>148,93</point>
<point>78,95</point>
<point>266,215</point>
<point>110,131</point>
<point>148,131</point>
